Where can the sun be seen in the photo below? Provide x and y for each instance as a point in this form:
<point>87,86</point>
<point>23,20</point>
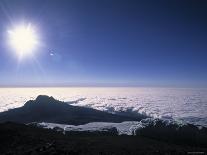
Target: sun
<point>23,39</point>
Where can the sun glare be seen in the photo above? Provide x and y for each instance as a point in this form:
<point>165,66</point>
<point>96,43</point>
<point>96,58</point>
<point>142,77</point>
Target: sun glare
<point>23,39</point>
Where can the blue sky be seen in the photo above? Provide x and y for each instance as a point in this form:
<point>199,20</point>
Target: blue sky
<point>107,43</point>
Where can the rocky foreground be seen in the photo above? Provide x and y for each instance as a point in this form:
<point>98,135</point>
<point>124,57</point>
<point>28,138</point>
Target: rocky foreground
<point>19,139</point>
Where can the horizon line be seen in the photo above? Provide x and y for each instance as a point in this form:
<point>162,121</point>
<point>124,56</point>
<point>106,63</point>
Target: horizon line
<point>98,85</point>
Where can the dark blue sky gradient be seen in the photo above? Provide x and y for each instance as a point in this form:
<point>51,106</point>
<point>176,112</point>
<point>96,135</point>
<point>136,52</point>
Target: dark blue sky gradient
<point>108,43</point>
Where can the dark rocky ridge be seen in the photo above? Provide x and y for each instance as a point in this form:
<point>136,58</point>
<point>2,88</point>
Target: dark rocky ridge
<point>20,139</point>
<point>185,134</point>
<point>47,109</point>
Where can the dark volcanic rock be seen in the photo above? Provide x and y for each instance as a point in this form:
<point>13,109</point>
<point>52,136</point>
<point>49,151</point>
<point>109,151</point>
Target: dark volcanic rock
<point>187,134</point>
<point>20,139</point>
<point>47,109</point>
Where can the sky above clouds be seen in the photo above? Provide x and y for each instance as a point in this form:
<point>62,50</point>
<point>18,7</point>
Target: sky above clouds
<point>107,43</point>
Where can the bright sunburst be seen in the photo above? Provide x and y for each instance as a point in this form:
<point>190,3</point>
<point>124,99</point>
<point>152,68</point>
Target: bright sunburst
<point>23,39</point>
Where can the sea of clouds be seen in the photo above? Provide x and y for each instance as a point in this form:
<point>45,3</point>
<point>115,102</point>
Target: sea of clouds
<point>181,104</point>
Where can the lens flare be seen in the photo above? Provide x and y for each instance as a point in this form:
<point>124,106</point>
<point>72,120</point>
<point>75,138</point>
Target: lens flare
<point>23,39</point>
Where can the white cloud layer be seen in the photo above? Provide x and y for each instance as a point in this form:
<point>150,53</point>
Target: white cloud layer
<point>188,105</point>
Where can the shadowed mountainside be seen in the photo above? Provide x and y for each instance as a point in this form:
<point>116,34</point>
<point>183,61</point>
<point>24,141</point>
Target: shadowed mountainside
<point>20,139</point>
<point>185,134</point>
<point>47,109</point>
